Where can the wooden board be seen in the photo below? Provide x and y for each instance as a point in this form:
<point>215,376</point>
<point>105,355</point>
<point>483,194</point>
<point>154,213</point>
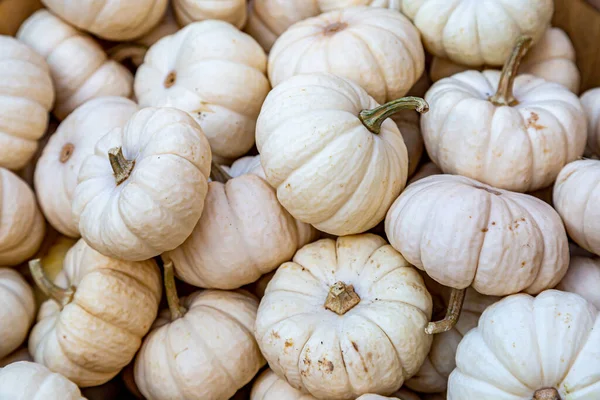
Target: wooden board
<point>14,12</point>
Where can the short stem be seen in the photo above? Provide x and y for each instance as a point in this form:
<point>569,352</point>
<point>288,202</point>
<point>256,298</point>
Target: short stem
<point>218,174</point>
<point>132,51</point>
<point>546,394</point>
<point>177,310</point>
<point>121,167</point>
<point>58,294</point>
<point>457,298</point>
<point>341,298</point>
<point>504,95</point>
<point>373,118</point>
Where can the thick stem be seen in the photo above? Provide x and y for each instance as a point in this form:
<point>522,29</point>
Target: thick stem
<point>341,298</point>
<point>504,95</point>
<point>218,174</point>
<point>177,310</point>
<point>373,118</point>
<point>121,167</point>
<point>58,294</point>
<point>546,394</point>
<point>457,298</point>
<point>132,51</point>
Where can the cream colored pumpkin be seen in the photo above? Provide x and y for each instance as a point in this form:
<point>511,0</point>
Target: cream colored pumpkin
<point>22,225</point>
<point>25,380</point>
<point>232,11</point>
<point>110,19</point>
<point>200,349</point>
<point>246,165</point>
<point>345,318</point>
<point>21,354</point>
<point>99,312</point>
<point>26,96</point>
<point>78,65</point>
<point>576,195</point>
<point>477,33</point>
<point>243,233</point>
<point>377,48</point>
<point>143,190</point>
<point>17,310</point>
<point>591,105</point>
<point>512,141</point>
<point>334,166</point>
<point>465,233</point>
<point>216,74</point>
<point>57,169</point>
<point>583,278</point>
<point>545,348</point>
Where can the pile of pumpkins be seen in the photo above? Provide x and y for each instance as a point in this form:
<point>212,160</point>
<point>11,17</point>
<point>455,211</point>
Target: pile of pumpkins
<point>354,198</point>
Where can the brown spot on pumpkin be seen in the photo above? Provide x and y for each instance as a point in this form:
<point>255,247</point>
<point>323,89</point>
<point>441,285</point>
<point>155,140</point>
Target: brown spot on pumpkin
<point>493,223</point>
<point>275,335</point>
<point>66,152</point>
<point>333,28</point>
<point>170,79</point>
<point>288,343</point>
<point>369,356</point>
<point>354,345</point>
<point>484,230</point>
<point>532,122</point>
<point>523,263</point>
<point>326,366</point>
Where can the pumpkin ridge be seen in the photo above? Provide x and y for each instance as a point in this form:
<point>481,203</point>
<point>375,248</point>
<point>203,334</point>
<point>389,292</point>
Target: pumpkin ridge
<point>574,359</point>
<point>169,355</point>
<point>586,205</point>
<point>485,234</point>
<point>380,71</point>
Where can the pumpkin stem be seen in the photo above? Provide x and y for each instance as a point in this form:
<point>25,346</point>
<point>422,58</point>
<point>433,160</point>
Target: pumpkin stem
<point>341,298</point>
<point>124,51</point>
<point>546,394</point>
<point>120,165</point>
<point>504,95</point>
<point>457,298</point>
<point>58,294</point>
<point>217,173</point>
<point>373,118</point>
<point>177,310</point>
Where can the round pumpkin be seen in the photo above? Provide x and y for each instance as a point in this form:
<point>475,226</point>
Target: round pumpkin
<point>583,278</point>
<point>542,348</point>
<point>57,169</point>
<point>591,105</point>
<point>78,65</point>
<point>22,225</point>
<point>25,380</point>
<point>110,19</point>
<point>477,34</point>
<point>345,318</point>
<point>26,96</point>
<point>98,312</point>
<point>142,191</point>
<point>327,148</point>
<point>377,48</point>
<point>17,310</point>
<point>232,11</point>
<point>216,74</point>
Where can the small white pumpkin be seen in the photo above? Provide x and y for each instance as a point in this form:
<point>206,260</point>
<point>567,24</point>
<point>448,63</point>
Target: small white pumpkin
<point>512,141</point>
<point>346,318</point>
<point>26,96</point>
<point>327,148</point>
<point>477,33</point>
<point>78,65</point>
<point>377,48</point>
<point>201,348</point>
<point>110,19</point>
<point>143,190</point>
<point>583,278</point>
<point>22,225</point>
<point>216,74</point>
<point>576,195</point>
<point>100,309</point>
<point>25,380</point>
<point>232,11</point>
<point>17,310</point>
<point>542,348</point>
<point>243,233</point>
<point>591,104</point>
<point>74,140</point>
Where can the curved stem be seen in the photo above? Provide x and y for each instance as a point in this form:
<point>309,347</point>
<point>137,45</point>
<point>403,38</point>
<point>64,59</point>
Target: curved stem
<point>218,174</point>
<point>373,118</point>
<point>177,310</point>
<point>58,294</point>
<point>341,298</point>
<point>123,51</point>
<point>457,298</point>
<point>546,394</point>
<point>504,95</point>
<point>120,165</point>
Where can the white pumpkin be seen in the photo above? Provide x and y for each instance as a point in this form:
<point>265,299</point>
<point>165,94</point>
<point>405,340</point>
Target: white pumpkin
<point>78,65</point>
<point>74,140</point>
<point>583,278</point>
<point>477,33</point>
<point>26,96</point>
<point>375,47</point>
<point>232,11</point>
<point>591,105</point>
<point>517,139</point>
<point>326,147</point>
<point>25,380</point>
<point>243,233</point>
<point>143,190</point>
<point>216,74</point>
<point>201,348</point>
<point>545,348</point>
<point>246,165</point>
<point>576,194</point>
<point>110,19</point>
<point>345,318</point>
<point>100,309</point>
<point>22,225</point>
<point>17,310</point>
